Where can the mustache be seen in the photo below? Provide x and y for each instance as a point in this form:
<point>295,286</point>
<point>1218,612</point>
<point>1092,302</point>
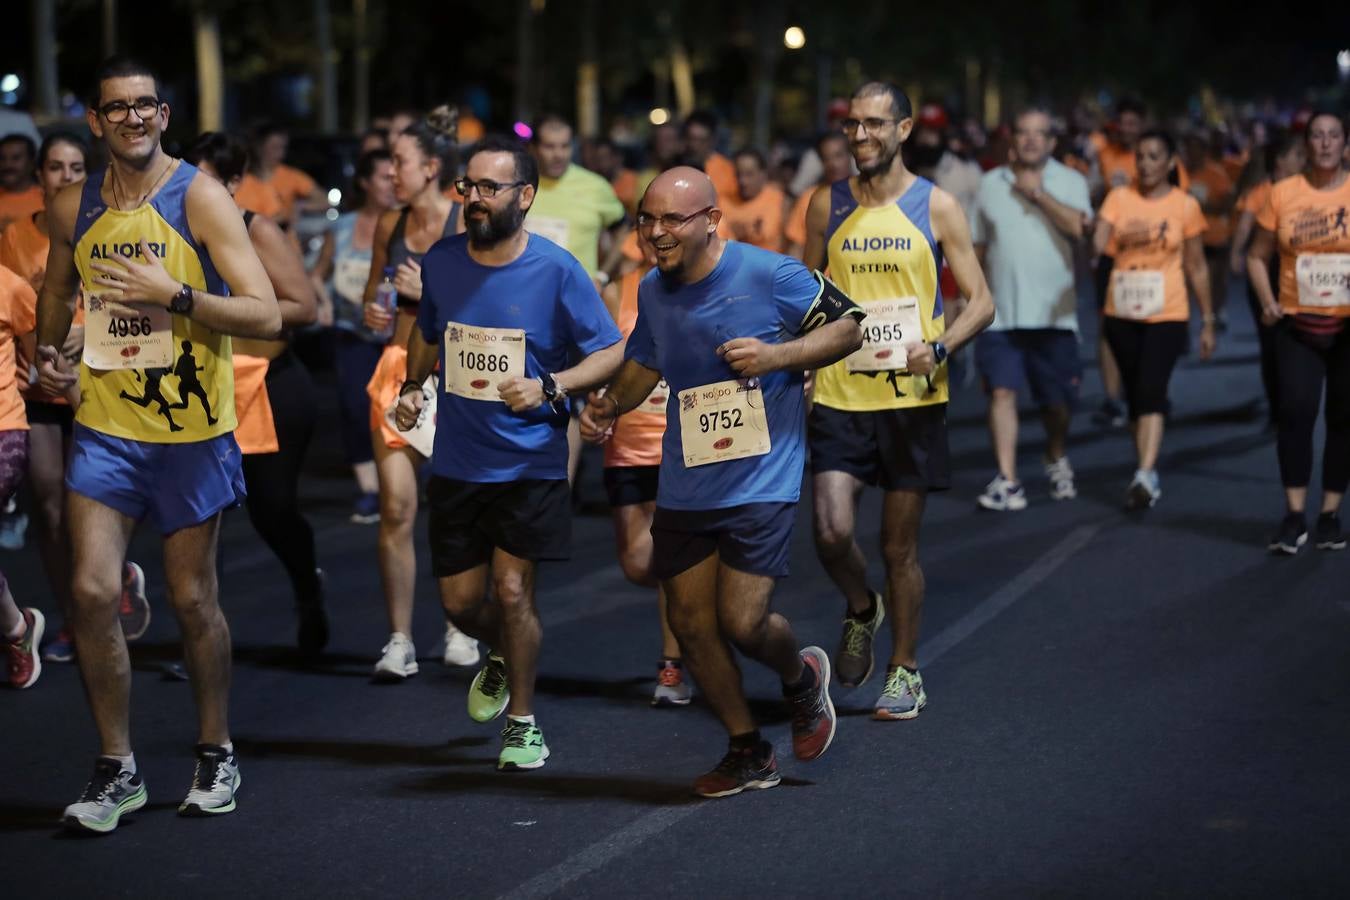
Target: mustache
<point>478,207</point>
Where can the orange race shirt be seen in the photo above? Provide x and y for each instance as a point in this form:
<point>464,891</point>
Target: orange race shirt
<point>1210,184</point>
<point>758,221</point>
<point>258,196</point>
<point>626,189</point>
<point>19,204</point>
<point>1255,198</point>
<point>1147,240</point>
<point>637,435</point>
<point>23,250</point>
<point>722,172</point>
<point>795,228</point>
<point>1312,230</point>
<point>18,315</point>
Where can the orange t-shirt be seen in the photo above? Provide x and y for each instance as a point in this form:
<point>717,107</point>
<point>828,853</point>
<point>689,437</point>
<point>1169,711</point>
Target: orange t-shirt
<point>18,204</point>
<point>1211,184</point>
<point>1308,224</point>
<point>1147,240</point>
<point>23,250</point>
<point>626,189</point>
<point>274,196</point>
<point>1255,198</point>
<point>18,315</point>
<point>637,435</point>
<point>795,228</point>
<point>722,172</point>
<point>758,221</point>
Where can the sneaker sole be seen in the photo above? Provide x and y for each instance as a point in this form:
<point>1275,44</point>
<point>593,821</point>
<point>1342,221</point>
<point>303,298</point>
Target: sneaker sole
<point>364,520</point>
<point>196,811</point>
<point>1137,498</point>
<point>452,663</point>
<point>129,805</point>
<point>871,663</point>
<point>35,641</point>
<point>995,506</point>
<point>881,715</point>
<point>1331,545</point>
<point>1290,549</point>
<point>524,767</point>
<point>394,676</point>
<point>829,704</point>
<point>670,702</point>
<point>759,784</point>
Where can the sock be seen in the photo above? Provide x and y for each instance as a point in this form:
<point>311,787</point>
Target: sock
<point>748,741</point>
<point>524,720</point>
<point>868,614</point>
<point>127,762</point>
<point>805,683</point>
<point>671,661</point>
<point>913,671</point>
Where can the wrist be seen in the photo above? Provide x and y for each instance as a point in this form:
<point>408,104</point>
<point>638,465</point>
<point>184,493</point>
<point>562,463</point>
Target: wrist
<point>181,300</point>
<point>554,392</point>
<point>939,352</point>
<point>409,384</point>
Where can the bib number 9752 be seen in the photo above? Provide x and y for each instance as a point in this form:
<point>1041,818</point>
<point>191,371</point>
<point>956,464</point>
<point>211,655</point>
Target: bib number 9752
<point>720,419</point>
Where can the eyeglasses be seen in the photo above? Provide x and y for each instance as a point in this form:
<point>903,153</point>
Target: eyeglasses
<point>487,189</point>
<point>116,112</point>
<point>670,221</point>
<point>871,126</point>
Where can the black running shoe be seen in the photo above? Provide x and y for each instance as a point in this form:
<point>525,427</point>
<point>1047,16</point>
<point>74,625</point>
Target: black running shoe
<point>1292,535</point>
<point>740,770</point>
<point>1327,533</point>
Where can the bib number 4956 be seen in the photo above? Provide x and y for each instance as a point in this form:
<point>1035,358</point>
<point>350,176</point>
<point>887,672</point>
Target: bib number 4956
<point>129,327</point>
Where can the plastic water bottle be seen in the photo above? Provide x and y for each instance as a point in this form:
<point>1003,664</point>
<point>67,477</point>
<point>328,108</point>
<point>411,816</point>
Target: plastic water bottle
<point>386,297</point>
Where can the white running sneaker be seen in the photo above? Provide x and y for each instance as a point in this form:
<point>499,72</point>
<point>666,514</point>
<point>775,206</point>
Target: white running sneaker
<point>399,659</point>
<point>460,649</point>
<point>214,783</point>
<point>1060,474</point>
<point>1003,495</point>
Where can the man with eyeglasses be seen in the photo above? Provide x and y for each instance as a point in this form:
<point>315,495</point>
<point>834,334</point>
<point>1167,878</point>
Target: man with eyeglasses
<point>880,416</point>
<point>503,311</point>
<point>153,246</point>
<point>731,328</point>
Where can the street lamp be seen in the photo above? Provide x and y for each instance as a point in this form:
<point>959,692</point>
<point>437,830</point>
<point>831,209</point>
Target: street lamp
<point>794,38</point>
<point>659,116</point>
<point>1343,63</point>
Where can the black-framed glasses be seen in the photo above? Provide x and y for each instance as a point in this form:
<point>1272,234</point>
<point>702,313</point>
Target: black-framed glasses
<point>870,125</point>
<point>487,188</point>
<point>116,112</point>
<point>670,221</point>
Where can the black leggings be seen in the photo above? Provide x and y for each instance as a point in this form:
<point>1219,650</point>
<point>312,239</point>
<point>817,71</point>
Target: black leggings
<point>1303,367</point>
<point>1266,335</point>
<point>273,478</point>
<point>1146,352</point>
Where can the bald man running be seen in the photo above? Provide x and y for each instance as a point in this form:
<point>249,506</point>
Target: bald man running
<point>731,328</point>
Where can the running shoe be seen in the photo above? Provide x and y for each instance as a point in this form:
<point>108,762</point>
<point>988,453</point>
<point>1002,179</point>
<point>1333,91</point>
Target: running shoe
<point>134,610</point>
<point>24,663</point>
<point>311,634</point>
<point>488,693</point>
<point>399,660</point>
<point>110,794</point>
<point>1143,491</point>
<point>855,660</point>
<point>60,649</point>
<point>366,510</point>
<point>1109,415</point>
<point>671,688</point>
<point>1060,474</point>
<point>1002,495</point>
<point>214,783</point>
<point>813,718</point>
<point>1293,534</point>
<point>1327,533</point>
<point>523,747</point>
<point>902,698</point>
<point>460,649</point>
<point>752,769</point>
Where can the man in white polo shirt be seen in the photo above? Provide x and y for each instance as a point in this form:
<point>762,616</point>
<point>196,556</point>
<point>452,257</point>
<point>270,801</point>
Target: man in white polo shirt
<point>1028,220</point>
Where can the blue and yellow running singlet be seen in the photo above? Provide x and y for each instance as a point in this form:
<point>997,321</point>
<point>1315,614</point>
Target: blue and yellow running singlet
<point>884,253</point>
<point>193,398</point>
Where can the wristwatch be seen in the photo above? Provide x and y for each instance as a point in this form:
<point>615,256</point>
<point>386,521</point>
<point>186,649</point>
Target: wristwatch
<point>182,301</point>
<point>939,352</point>
<point>553,392</point>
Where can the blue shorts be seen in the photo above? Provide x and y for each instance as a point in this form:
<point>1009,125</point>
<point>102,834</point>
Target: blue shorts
<point>179,485</point>
<point>753,538</point>
<point>1045,358</point>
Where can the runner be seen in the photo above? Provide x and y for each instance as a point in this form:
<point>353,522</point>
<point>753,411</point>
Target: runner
<point>756,211</point>
<point>732,456</point>
<point>1306,218</point>
<point>837,163</point>
<point>699,136</point>
<point>880,417</point>
<point>664,149</point>
<point>21,628</point>
<point>270,187</point>
<point>132,235</point>
<point>1029,218</point>
<point>20,196</point>
<point>609,164</point>
<point>1152,230</point>
<point>425,160</point>
<point>632,466</point>
<point>274,400</point>
<point>62,160</point>
<point>1213,189</point>
<point>342,271</point>
<point>503,311</point>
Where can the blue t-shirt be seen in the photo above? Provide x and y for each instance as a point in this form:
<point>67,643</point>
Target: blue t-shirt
<point>750,293</point>
<point>548,294</point>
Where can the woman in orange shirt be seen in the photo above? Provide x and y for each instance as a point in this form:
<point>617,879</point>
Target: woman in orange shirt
<point>1307,218</point>
<point>1283,157</point>
<point>1152,229</point>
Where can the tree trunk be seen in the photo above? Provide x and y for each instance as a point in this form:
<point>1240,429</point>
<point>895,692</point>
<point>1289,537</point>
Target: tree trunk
<point>323,38</point>
<point>768,47</point>
<point>588,74</point>
<point>45,102</point>
<point>361,77</point>
<point>524,100</point>
<point>109,27</point>
<point>210,71</point>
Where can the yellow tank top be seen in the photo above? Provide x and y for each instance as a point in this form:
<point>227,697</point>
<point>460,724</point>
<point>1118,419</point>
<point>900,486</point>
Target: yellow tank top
<point>193,399</point>
<point>884,253</point>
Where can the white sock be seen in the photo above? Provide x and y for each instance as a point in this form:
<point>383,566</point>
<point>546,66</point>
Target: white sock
<point>228,748</point>
<point>527,720</point>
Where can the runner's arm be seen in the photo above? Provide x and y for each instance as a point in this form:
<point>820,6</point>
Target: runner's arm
<point>1197,274</point>
<point>1237,260</point>
<point>593,370</point>
<point>286,270</point>
<point>56,303</point>
<point>631,386</point>
<point>1101,237</point>
<point>422,358</point>
<point>1259,255</point>
<point>952,231</point>
<point>814,256</point>
<point>251,309</point>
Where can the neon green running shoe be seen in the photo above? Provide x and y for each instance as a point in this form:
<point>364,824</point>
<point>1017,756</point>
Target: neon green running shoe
<point>902,697</point>
<point>523,747</point>
<point>488,693</point>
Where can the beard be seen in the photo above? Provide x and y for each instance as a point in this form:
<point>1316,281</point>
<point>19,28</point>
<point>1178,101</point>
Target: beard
<point>881,166</point>
<point>499,225</point>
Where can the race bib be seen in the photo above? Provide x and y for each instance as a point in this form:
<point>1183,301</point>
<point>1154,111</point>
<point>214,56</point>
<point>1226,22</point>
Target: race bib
<point>477,359</point>
<point>723,421</point>
<point>142,340</point>
<point>422,436</point>
<point>1137,294</point>
<point>556,230</point>
<point>349,279</point>
<point>1323,279</point>
<point>890,324</point>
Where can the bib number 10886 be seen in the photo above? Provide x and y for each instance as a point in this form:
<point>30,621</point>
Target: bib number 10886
<point>483,362</point>
<point>723,419</point>
<point>129,327</point>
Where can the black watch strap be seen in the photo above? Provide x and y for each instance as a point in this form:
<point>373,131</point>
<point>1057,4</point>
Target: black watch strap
<point>182,301</point>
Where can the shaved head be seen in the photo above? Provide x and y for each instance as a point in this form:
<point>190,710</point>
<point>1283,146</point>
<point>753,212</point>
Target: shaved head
<point>682,186</point>
<point>678,217</point>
